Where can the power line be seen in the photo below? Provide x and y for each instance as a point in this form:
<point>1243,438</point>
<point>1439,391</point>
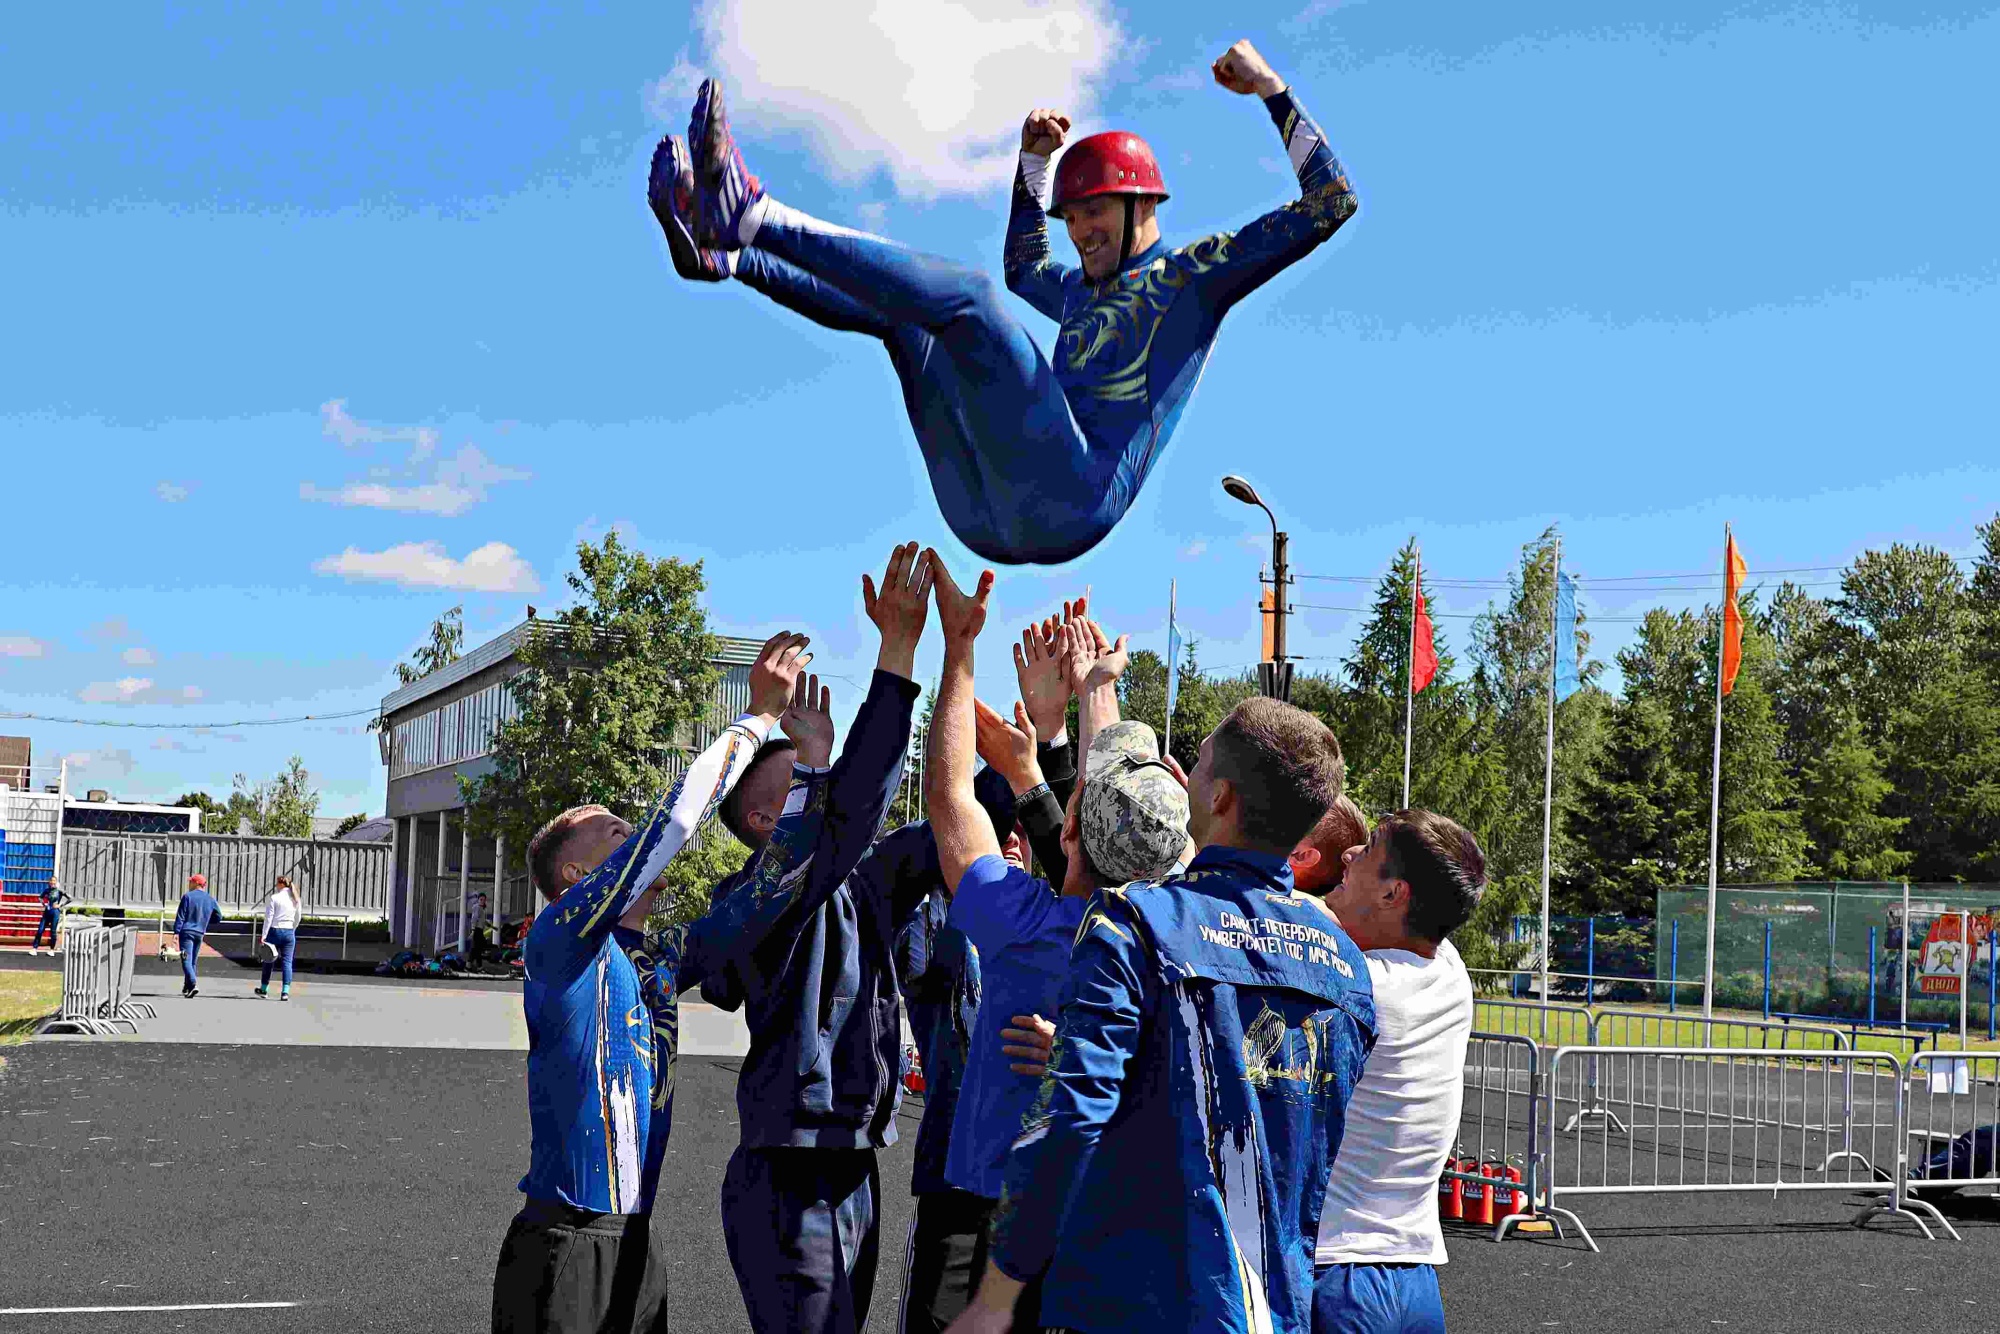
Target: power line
<point>1452,581</point>
<point>188,727</point>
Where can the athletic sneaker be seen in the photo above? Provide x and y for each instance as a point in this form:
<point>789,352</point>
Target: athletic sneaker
<point>262,992</point>
<point>286,995</point>
<point>724,189</point>
<point>670,190</point>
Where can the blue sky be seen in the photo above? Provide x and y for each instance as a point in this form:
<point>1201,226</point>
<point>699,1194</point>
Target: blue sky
<point>1633,269</point>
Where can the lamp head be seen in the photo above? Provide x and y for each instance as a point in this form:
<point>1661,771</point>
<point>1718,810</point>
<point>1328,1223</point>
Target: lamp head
<point>1241,490</point>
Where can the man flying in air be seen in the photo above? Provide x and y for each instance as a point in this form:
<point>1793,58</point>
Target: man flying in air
<point>1030,462</point>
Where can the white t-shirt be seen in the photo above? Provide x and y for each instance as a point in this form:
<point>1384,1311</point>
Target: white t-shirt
<point>1381,1202</point>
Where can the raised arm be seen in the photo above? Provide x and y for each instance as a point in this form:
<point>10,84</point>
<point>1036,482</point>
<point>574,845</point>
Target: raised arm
<point>1030,271</point>
<point>623,886</point>
<point>1094,665</point>
<point>1229,267</point>
<point>961,826</point>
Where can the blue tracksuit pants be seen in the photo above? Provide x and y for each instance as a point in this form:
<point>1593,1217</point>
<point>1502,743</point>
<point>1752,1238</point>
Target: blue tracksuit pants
<point>1377,1299</point>
<point>190,955</point>
<point>801,1225</point>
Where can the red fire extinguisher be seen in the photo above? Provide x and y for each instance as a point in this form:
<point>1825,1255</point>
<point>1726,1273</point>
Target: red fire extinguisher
<point>1451,1191</point>
<point>1516,1201</point>
<point>1479,1196</point>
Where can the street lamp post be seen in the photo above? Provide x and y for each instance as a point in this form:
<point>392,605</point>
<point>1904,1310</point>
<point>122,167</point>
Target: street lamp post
<point>1276,680</point>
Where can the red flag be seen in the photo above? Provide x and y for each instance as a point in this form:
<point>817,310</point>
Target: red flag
<point>1732,620</point>
<point>1423,653</point>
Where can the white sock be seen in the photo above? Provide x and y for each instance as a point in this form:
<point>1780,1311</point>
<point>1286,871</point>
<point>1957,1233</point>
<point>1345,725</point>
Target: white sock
<point>753,218</point>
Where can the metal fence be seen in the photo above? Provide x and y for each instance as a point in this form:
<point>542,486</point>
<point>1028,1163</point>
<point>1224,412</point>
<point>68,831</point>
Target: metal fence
<point>1493,1177</point>
<point>1951,1119</point>
<point>97,982</point>
<point>148,872</point>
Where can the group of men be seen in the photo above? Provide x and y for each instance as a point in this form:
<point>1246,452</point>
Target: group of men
<point>1236,1120</point>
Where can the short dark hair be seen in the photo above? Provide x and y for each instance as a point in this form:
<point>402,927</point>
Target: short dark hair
<point>545,848</point>
<point>1441,862</point>
<point>1285,766</point>
<point>730,812</point>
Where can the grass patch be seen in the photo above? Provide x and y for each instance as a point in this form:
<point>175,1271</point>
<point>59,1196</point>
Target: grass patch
<point>1659,1028</point>
<point>27,998</point>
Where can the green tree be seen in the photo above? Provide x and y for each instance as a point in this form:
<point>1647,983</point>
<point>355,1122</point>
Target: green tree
<point>610,695</point>
<point>280,807</point>
<point>446,645</point>
<point>349,823</point>
<point>214,814</point>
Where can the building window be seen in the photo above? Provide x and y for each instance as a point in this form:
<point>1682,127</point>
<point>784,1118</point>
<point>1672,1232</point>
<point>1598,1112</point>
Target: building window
<point>459,731</point>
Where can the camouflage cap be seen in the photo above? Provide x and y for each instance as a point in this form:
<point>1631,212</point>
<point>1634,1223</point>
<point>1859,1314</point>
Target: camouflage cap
<point>1134,811</point>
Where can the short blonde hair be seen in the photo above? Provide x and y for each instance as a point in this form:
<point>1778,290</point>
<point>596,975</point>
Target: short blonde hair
<point>545,848</point>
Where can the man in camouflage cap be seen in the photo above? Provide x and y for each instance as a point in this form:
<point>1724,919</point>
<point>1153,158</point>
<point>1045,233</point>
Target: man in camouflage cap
<point>1134,810</point>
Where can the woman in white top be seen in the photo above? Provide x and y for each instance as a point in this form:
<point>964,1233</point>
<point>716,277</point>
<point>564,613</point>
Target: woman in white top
<point>281,925</point>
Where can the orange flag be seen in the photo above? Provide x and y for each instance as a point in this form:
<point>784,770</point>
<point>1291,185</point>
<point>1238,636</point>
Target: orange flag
<point>1732,620</point>
<point>1423,649</point>
<point>1270,608</point>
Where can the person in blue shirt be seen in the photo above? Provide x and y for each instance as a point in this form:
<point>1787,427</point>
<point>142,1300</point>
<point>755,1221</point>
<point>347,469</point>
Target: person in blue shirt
<point>599,997</point>
<point>197,914</point>
<point>1212,1028</point>
<point>1030,460</point>
<point>53,900</point>
<point>818,1091</point>
<point>1129,822</point>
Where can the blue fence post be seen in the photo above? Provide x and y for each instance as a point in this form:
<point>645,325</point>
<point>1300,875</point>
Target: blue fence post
<point>1590,962</point>
<point>1993,987</point>
<point>1871,977</point>
<point>1674,967</point>
<point>1767,970</point>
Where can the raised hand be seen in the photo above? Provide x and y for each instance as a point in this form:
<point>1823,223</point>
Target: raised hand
<point>1078,650</point>
<point>1008,747</point>
<point>961,615</point>
<point>808,721</point>
<point>776,671</point>
<point>1038,667</point>
<point>1111,662</point>
<point>900,607</point>
<point>1043,131</point>
<point>1241,69</point>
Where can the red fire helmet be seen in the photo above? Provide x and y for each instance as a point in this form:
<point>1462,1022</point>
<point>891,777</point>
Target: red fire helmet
<point>1113,163</point>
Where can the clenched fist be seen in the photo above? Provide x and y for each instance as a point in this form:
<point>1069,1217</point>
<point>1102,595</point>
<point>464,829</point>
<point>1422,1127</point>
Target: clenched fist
<point>1043,131</point>
<point>1241,70</point>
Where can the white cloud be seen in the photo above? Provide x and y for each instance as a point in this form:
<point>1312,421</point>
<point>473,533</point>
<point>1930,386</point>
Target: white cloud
<point>138,657</point>
<point>493,568</point>
<point>136,690</point>
<point>1195,548</point>
<point>101,766</point>
<point>460,482</point>
<point>171,492</point>
<point>933,94</point>
<point>22,646</point>
<point>337,425</point>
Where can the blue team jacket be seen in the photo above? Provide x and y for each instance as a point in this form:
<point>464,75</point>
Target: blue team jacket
<point>1171,1174</point>
<point>819,993</point>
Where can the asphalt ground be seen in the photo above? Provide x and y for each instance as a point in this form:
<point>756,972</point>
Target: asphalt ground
<point>372,1186</point>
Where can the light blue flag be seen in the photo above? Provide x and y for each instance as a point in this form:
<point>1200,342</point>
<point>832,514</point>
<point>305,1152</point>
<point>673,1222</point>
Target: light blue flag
<point>1567,680</point>
<point>1173,662</point>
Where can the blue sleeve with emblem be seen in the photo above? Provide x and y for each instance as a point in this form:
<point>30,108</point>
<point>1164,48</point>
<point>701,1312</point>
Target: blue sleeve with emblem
<point>1097,1035</point>
<point>1031,273</point>
<point>1229,266</point>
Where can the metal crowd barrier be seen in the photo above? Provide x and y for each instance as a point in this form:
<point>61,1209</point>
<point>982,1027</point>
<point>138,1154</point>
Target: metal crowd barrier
<point>124,959</point>
<point>1503,1081</point>
<point>1952,1113</point>
<point>1709,1119</point>
<point>1549,1025</point>
<point>90,968</point>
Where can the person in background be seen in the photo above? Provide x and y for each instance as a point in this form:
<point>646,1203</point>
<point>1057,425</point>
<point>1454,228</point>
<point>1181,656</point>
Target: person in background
<point>1406,887</point>
<point>198,912</point>
<point>53,900</point>
<point>1321,856</point>
<point>281,927</point>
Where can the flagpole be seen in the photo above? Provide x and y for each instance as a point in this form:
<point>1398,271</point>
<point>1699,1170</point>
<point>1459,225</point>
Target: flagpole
<point>1715,787</point>
<point>1167,747</point>
<point>1549,766</point>
<point>1410,672</point>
